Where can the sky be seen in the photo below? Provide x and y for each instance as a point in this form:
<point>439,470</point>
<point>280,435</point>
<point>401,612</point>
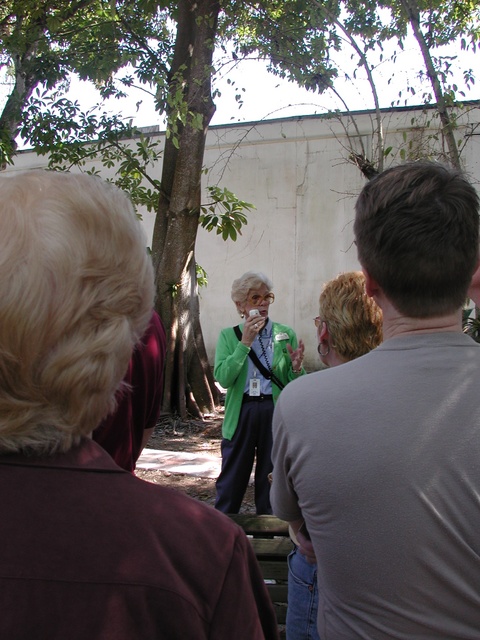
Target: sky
<point>265,96</point>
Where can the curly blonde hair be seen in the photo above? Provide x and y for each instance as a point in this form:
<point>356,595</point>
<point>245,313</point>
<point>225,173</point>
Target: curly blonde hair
<point>76,294</point>
<point>354,320</point>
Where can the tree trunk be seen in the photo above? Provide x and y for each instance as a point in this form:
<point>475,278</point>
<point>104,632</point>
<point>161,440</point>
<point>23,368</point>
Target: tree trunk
<point>189,384</point>
<point>448,125</point>
<point>11,116</point>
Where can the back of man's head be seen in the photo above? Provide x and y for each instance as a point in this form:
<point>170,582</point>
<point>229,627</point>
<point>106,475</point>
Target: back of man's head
<point>76,293</point>
<point>417,231</point>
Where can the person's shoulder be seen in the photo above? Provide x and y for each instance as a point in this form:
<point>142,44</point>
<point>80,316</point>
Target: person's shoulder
<point>153,337</point>
<point>155,326</point>
<point>317,386</point>
<point>301,389</point>
<point>183,513</point>
<point>229,332</point>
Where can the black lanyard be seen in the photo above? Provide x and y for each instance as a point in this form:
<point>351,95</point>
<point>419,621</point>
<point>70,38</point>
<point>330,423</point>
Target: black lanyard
<point>266,373</point>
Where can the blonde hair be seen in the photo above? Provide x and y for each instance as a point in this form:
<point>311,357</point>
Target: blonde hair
<point>354,320</point>
<point>76,294</point>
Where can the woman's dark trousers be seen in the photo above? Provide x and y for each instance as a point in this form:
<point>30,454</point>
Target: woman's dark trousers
<point>253,437</point>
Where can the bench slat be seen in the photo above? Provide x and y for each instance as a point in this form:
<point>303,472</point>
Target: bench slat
<point>271,543</point>
<point>272,548</point>
<point>260,525</point>
<point>281,615</point>
<point>278,592</point>
<point>274,570</point>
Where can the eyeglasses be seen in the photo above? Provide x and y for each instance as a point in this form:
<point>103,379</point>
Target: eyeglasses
<point>255,299</point>
<point>317,321</point>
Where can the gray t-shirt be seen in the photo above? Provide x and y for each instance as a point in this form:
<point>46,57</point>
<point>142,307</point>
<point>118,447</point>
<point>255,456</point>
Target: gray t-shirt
<point>381,456</point>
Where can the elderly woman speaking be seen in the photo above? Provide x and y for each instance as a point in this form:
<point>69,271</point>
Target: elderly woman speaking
<point>253,361</point>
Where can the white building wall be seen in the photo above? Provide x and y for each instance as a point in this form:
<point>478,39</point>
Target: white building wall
<point>301,234</point>
<point>295,172</point>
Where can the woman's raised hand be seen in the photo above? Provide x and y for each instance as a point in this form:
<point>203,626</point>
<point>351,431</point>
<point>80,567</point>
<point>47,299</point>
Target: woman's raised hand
<point>296,356</point>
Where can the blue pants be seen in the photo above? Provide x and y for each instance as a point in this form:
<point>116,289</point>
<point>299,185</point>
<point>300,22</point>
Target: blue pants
<point>252,439</point>
<point>302,608</point>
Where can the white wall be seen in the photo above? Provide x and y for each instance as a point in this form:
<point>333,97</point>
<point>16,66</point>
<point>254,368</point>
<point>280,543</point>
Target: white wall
<point>295,172</point>
<point>301,234</point>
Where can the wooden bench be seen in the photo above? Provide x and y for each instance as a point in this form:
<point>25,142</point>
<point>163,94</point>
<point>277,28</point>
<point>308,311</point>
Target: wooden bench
<point>272,544</point>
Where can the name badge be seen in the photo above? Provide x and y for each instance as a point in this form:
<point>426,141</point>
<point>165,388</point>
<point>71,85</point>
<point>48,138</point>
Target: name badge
<point>281,336</point>
<point>254,389</point>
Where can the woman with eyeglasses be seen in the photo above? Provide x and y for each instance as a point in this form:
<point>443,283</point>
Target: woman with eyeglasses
<point>349,326</point>
<point>253,362</point>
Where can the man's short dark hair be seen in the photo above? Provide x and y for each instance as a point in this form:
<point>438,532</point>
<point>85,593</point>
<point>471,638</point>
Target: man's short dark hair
<point>417,232</point>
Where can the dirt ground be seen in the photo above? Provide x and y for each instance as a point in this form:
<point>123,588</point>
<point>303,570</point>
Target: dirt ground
<point>191,436</point>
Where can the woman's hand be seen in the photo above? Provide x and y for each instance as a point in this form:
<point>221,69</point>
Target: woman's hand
<point>252,327</point>
<point>296,356</point>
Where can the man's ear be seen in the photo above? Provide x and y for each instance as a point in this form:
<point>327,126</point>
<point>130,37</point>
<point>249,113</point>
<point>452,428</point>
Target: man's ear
<point>371,285</point>
<point>474,288</point>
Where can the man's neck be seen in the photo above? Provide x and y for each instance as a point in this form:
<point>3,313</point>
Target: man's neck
<point>395,324</point>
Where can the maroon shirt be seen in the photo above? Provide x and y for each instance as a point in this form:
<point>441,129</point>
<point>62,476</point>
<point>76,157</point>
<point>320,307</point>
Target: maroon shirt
<point>139,405</point>
<point>89,551</point>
